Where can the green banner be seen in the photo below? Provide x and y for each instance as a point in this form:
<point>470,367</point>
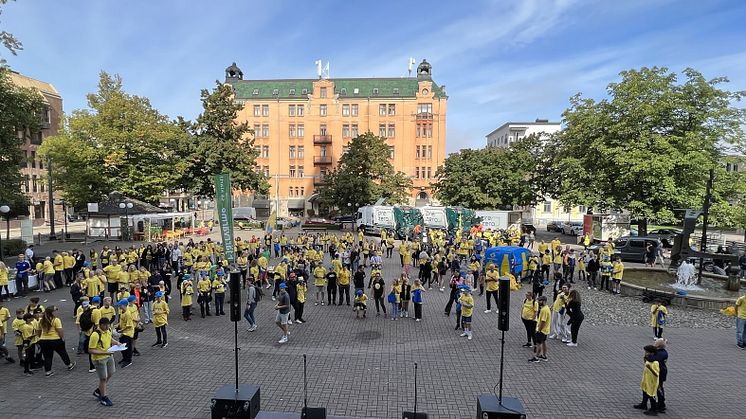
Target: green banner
<point>223,198</point>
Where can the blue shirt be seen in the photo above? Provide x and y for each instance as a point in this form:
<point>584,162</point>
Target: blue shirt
<point>20,267</point>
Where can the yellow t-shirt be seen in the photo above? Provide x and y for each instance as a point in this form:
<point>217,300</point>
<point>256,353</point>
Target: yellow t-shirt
<point>559,302</point>
<point>530,307</point>
<point>100,340</point>
<point>344,277</point>
<point>741,307</point>
<point>107,312</point>
<point>650,374</point>
<point>4,276</point>
<point>126,323</point>
<point>160,313</point>
<point>92,286</point>
<point>465,299</point>
<point>204,285</point>
<point>16,326</point>
<point>112,272</point>
<point>4,316</point>
<point>48,267</point>
<point>543,324</point>
<point>59,263</point>
<point>301,290</point>
<point>219,286</point>
<point>319,276</point>
<point>68,261</point>
<point>27,332</point>
<point>492,279</point>
<point>51,333</point>
<point>618,271</point>
<point>186,298</point>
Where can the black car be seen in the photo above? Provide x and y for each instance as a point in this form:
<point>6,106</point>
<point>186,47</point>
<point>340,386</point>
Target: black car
<point>632,249</point>
<point>555,226</point>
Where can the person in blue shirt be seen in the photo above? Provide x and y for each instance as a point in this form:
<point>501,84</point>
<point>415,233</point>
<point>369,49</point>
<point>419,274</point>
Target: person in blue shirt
<point>22,271</point>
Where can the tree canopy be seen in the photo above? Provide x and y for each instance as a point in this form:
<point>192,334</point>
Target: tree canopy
<point>10,42</point>
<point>363,175</point>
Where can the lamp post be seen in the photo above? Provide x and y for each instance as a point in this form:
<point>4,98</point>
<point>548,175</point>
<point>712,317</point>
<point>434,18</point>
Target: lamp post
<point>4,210</point>
<point>64,216</point>
<point>126,206</point>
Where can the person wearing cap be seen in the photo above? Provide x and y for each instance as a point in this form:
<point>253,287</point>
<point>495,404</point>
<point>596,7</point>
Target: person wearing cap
<point>492,277</point>
<point>283,312</point>
<point>103,360</point>
<point>134,310</point>
<point>160,320</point>
<point>253,288</point>
<point>126,328</point>
<point>543,325</point>
<point>417,290</point>
<point>467,309</point>
<point>187,291</point>
<point>204,286</point>
<point>360,303</point>
<point>219,286</point>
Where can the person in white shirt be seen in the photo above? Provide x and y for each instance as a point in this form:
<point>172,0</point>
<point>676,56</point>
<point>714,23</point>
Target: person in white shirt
<point>176,258</point>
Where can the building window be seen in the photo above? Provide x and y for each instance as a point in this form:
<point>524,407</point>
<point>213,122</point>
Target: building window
<point>34,184</point>
<point>375,90</point>
<point>345,110</point>
<point>392,131</point>
<point>257,130</point>
<point>581,209</point>
<point>396,91</point>
<point>322,92</point>
<point>291,92</point>
<point>258,150</point>
<point>301,151</point>
<point>290,191</point>
<point>33,159</point>
<point>353,109</point>
<point>345,131</point>
<point>291,110</point>
<point>291,130</point>
<point>417,154</point>
<point>392,109</point>
<point>382,130</point>
<point>429,152</point>
<point>355,91</point>
<point>300,171</point>
<point>265,110</point>
<point>291,152</point>
<point>255,92</point>
<point>429,174</point>
<point>257,110</point>
<point>265,130</point>
<point>345,149</point>
<point>265,170</point>
<point>265,151</point>
<point>275,92</point>
<point>291,171</point>
<point>391,152</point>
<point>304,91</point>
<point>322,129</point>
<point>322,151</point>
<point>354,131</point>
<point>300,131</point>
<point>36,138</point>
<point>382,110</point>
<point>302,191</point>
<point>547,207</point>
<point>343,91</point>
<point>417,172</point>
<point>424,108</point>
<point>300,110</point>
<point>322,110</point>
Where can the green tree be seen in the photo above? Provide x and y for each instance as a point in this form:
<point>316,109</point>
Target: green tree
<point>216,144</point>
<point>363,175</point>
<point>19,111</point>
<point>10,42</point>
<point>120,143</point>
<point>648,147</point>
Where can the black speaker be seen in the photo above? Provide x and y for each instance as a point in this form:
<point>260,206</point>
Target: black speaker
<point>503,304</point>
<point>227,404</point>
<point>412,415</point>
<point>235,286</point>
<point>313,413</point>
<point>489,408</point>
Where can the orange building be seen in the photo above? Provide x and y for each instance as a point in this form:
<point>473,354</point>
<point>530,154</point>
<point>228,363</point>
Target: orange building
<point>303,126</point>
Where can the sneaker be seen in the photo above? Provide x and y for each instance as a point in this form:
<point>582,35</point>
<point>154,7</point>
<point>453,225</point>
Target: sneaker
<point>156,344</point>
<point>284,339</point>
<point>106,401</point>
<point>49,373</point>
<point>97,394</point>
<point>589,287</point>
<point>565,340</point>
<point>595,289</point>
<point>71,366</point>
<point>572,344</point>
<point>322,303</point>
<point>543,358</point>
<point>164,345</point>
<point>468,336</point>
<point>650,413</point>
<point>442,289</point>
<point>10,360</point>
<point>640,406</point>
<point>488,311</point>
<point>463,334</point>
<point>91,370</point>
<point>273,298</point>
<point>552,337</point>
<point>126,364</point>
<point>526,345</point>
<point>315,304</point>
<point>534,360</point>
<point>290,321</point>
<point>417,320</point>
<point>28,373</point>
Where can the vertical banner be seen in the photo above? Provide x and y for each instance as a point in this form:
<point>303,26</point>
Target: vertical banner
<point>223,198</point>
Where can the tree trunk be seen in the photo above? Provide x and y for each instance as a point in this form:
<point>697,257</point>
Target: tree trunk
<point>642,227</point>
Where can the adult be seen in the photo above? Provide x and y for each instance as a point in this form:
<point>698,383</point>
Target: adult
<point>160,320</point>
<point>576,316</point>
<point>283,312</point>
<point>529,311</point>
<point>331,287</point>
<point>661,355</point>
<point>126,328</point>
<point>492,278</point>
<point>742,265</point>
<point>29,253</point>
<point>4,274</point>
<point>22,270</point>
<point>379,286</point>
<point>649,254</point>
<point>358,280</point>
<point>251,300</point>
<point>543,320</point>
<point>593,267</point>
<point>52,339</point>
<point>455,282</point>
<point>98,346</point>
<point>741,321</point>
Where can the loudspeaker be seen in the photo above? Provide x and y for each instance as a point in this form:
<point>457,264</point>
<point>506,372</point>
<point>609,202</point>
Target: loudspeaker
<point>235,302</point>
<point>412,415</point>
<point>503,304</point>
<point>227,404</point>
<point>489,408</point>
<point>313,413</point>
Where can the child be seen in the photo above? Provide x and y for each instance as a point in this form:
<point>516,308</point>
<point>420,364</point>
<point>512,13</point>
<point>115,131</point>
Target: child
<point>16,326</point>
<point>417,291</point>
<point>606,268</point>
<point>360,303</point>
<point>467,308</point>
<point>459,324</point>
<point>658,315</point>
<point>160,320</point>
<point>581,268</point>
<point>27,335</point>
<point>649,384</point>
<point>394,300</point>
<point>405,296</point>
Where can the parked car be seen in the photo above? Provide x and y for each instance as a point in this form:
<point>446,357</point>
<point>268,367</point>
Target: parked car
<point>666,235</point>
<point>286,223</point>
<point>320,224</point>
<point>574,228</point>
<point>555,226</point>
<point>632,249</point>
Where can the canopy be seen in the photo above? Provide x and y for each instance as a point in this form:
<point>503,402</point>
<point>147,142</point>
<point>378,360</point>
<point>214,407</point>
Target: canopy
<point>508,258</point>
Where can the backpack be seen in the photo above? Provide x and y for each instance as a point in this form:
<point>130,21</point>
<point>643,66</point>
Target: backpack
<point>661,318</point>
<point>258,293</point>
<point>86,323</point>
<point>392,297</point>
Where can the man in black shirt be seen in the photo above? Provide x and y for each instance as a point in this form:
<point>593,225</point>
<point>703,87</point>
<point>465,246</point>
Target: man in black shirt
<point>359,279</point>
<point>331,288</point>
<point>283,312</point>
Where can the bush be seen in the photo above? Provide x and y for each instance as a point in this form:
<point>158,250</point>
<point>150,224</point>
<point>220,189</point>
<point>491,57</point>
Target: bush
<point>13,247</point>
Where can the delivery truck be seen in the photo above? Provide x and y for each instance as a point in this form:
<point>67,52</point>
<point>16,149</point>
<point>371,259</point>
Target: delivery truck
<point>372,219</point>
<point>499,220</point>
<point>434,217</point>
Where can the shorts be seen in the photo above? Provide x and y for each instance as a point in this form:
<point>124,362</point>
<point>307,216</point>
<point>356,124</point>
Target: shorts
<point>466,319</point>
<point>616,281</point>
<point>282,318</point>
<point>112,287</point>
<point>320,288</point>
<point>539,338</point>
<point>105,368</point>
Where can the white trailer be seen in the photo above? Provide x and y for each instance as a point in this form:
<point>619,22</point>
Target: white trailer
<point>434,217</point>
<point>499,220</point>
<point>374,218</point>
<point>247,213</point>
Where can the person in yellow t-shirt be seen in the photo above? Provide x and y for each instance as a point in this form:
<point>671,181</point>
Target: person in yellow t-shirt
<point>492,278</point>
<point>741,322</point>
<point>204,287</point>
<point>27,336</point>
<point>219,286</point>
<point>319,280</point>
<point>658,317</point>
<point>52,339</point>
<point>617,274</point>
<point>467,309</point>
<point>187,292</point>
<point>48,269</point>
<point>160,320</point>
<point>360,303</point>
<point>529,311</point>
<point>107,310</point>
<point>543,325</point>
<point>126,328</point>
<point>103,360</point>
<point>559,326</point>
<point>16,325</point>
<point>343,282</point>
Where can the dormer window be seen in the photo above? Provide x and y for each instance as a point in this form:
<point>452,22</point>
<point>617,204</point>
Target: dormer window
<point>291,92</point>
<point>255,92</point>
<point>356,91</point>
<point>375,90</point>
<point>275,92</point>
<point>304,91</point>
<point>396,91</point>
<point>343,91</point>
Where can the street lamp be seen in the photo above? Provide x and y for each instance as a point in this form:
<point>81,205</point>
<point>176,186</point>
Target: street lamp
<point>4,210</point>
<point>126,206</point>
<point>64,215</point>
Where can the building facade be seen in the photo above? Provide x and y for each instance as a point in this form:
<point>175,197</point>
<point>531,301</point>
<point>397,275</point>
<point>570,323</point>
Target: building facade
<point>511,132</point>
<point>34,169</point>
<point>302,128</point>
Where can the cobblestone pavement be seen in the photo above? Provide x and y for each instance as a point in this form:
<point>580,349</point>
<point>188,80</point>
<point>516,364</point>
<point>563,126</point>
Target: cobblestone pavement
<point>364,368</point>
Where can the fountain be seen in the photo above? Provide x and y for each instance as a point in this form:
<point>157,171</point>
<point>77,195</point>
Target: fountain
<point>686,278</point>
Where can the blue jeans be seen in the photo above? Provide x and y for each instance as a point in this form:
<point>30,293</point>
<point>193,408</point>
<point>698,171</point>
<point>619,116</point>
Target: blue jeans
<point>248,314</point>
<point>740,331</point>
<point>394,310</point>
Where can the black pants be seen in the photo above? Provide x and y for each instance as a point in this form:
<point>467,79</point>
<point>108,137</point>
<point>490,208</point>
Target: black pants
<point>418,310</point>
<point>545,271</point>
<point>653,402</point>
<point>331,294</point>
<point>219,302</point>
<point>388,252</point>
<point>661,396</point>
<point>69,277</point>
<point>344,290</point>
<point>658,332</point>
<point>204,304</point>
<point>574,328</point>
<point>380,303</point>
<point>451,300</point>
<point>127,353</point>
<point>569,272</point>
<point>161,334</point>
<point>57,279</point>
<point>604,283</point>
<point>7,292</point>
<point>49,347</point>
<point>22,284</point>
<point>493,294</point>
<point>592,278</point>
<point>530,329</point>
<point>299,310</point>
<point>85,349</point>
<point>28,358</point>
<point>186,311</point>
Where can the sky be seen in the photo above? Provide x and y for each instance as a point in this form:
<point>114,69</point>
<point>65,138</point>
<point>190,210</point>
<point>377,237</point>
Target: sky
<point>500,61</point>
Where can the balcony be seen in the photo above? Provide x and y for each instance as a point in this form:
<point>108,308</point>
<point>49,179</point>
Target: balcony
<point>424,116</point>
<point>319,181</point>
<point>319,160</point>
<point>322,139</point>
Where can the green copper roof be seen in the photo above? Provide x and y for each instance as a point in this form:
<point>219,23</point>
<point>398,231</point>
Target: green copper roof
<point>387,87</point>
